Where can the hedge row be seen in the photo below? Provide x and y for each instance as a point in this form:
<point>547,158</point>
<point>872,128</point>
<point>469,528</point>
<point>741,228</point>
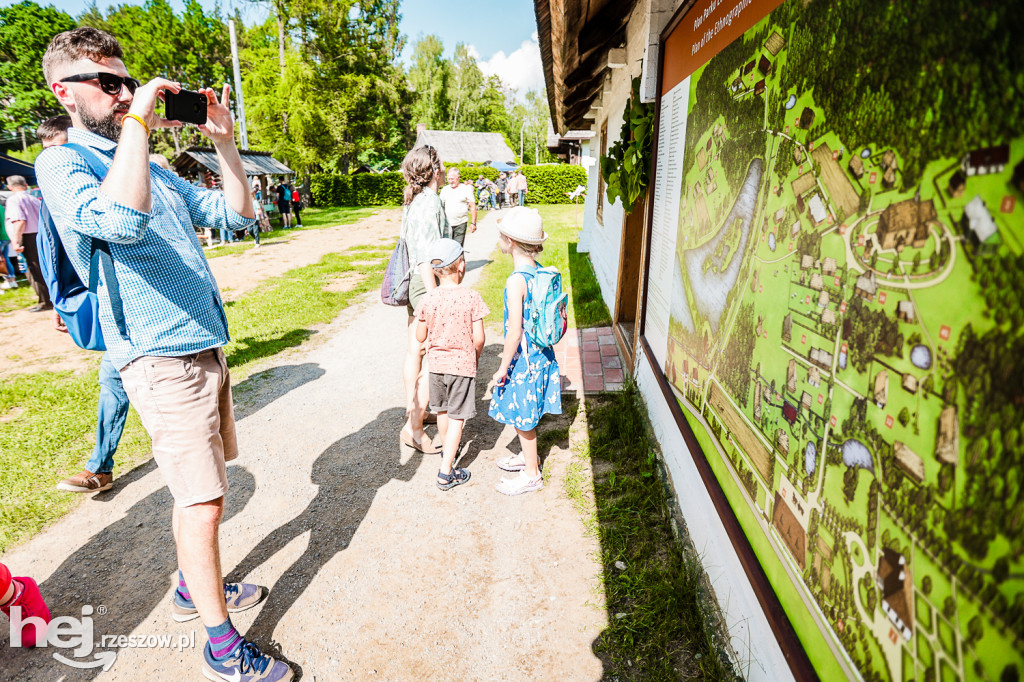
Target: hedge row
<point>548,184</point>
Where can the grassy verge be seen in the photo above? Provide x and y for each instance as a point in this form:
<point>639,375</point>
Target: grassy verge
<point>47,419</point>
<point>312,219</point>
<point>17,299</point>
<point>586,307</point>
<point>662,623</point>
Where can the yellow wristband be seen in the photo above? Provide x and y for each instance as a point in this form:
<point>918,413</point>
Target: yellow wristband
<point>136,117</point>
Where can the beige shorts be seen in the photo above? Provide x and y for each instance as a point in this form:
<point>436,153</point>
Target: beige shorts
<point>185,405</point>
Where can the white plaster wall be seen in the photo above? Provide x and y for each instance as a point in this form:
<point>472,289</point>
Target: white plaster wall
<point>760,657</point>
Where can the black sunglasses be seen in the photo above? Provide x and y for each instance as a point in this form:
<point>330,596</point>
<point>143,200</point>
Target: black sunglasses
<point>110,83</point>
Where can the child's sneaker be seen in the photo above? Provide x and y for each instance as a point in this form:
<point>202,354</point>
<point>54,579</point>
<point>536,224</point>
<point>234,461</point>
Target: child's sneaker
<point>238,596</point>
<point>245,664</point>
<point>28,597</point>
<point>520,484</point>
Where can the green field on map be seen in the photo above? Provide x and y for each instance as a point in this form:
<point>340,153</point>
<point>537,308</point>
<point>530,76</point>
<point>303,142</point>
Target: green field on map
<point>847,327</point>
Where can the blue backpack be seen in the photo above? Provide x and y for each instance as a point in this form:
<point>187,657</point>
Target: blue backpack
<point>548,317</point>
<point>77,302</point>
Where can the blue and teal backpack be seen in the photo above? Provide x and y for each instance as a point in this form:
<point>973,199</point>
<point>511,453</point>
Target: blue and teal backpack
<point>548,317</point>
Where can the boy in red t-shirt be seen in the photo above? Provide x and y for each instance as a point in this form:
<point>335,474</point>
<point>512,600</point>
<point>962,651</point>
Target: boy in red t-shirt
<point>451,321</point>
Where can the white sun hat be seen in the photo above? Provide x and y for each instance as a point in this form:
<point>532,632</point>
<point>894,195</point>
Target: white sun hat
<point>523,225</point>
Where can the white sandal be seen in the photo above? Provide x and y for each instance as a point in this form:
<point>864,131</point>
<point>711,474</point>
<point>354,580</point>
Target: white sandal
<point>520,484</point>
<point>513,463</point>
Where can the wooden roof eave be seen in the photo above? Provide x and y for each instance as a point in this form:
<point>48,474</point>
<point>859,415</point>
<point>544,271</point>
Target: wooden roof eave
<point>575,37</point>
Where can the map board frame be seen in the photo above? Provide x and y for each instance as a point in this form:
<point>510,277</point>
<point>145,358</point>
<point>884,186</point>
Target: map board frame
<point>650,339</point>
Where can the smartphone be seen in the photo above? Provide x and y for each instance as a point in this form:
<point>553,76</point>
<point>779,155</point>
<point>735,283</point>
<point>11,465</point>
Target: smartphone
<point>185,106</point>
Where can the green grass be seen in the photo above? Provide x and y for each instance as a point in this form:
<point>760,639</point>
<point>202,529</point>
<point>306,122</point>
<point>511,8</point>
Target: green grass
<point>586,307</point>
<point>665,631</point>
<point>312,219</point>
<point>47,419</point>
<point>17,299</point>
<point>266,320</point>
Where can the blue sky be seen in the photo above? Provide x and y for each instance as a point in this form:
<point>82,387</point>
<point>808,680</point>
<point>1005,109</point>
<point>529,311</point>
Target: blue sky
<point>502,32</point>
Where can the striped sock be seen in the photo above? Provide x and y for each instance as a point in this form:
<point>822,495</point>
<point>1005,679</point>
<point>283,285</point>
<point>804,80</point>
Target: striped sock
<point>223,639</point>
<point>183,588</point>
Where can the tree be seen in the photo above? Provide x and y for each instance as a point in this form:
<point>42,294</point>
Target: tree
<point>465,86</point>
<point>926,585</point>
<point>904,416</point>
<point>25,31</point>
<point>428,79</point>
<point>192,48</point>
<point>342,94</point>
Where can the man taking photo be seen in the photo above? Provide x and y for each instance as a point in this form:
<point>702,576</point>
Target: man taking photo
<point>166,331</point>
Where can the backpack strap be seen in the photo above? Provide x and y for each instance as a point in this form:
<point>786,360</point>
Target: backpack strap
<point>99,249</point>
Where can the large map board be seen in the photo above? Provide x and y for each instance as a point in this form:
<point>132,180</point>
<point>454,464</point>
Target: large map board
<point>835,296</point>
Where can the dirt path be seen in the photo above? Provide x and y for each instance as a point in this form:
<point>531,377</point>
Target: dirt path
<point>32,345</point>
<point>374,572</point>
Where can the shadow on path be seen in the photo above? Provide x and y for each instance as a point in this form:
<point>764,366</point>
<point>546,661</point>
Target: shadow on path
<point>127,569</point>
<point>348,474</point>
<point>263,388</point>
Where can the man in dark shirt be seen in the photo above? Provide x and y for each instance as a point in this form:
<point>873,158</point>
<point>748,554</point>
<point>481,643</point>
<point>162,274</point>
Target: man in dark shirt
<point>284,203</point>
<point>502,184</point>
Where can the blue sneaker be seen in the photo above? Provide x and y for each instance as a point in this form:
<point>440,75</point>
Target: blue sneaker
<point>238,596</point>
<point>245,664</point>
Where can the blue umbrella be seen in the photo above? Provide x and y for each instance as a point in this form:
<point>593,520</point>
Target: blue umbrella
<point>502,166</point>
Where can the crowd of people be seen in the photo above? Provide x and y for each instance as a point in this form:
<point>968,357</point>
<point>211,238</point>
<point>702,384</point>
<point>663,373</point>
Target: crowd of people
<point>164,326</point>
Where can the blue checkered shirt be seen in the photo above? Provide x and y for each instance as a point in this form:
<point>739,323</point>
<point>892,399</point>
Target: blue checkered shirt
<point>172,306</point>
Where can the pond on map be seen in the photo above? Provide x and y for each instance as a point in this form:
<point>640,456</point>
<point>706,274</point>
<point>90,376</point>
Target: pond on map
<point>711,289</point>
<point>921,356</point>
<point>791,102</point>
<point>771,242</point>
<point>810,457</point>
<point>856,454</point>
<point>865,154</point>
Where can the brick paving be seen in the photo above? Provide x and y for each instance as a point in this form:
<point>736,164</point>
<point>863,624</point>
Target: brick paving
<point>589,361</point>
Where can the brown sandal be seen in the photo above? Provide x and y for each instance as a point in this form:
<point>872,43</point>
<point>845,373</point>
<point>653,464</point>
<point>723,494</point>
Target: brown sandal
<point>429,450</point>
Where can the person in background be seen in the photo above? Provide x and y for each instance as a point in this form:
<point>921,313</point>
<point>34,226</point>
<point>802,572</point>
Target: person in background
<point>297,206</point>
<point>54,131</point>
<point>257,207</point>
<point>112,411</point>
<point>521,187</point>
<point>493,190</point>
<point>23,594</point>
<point>527,384</point>
<point>284,204</point>
<point>7,281</point>
<point>22,219</point>
<point>502,185</point>
<point>459,204</point>
<point>423,223</point>
<point>451,323</point>
<point>160,160</point>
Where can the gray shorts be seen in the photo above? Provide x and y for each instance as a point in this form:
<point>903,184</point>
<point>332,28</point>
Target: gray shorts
<point>453,394</point>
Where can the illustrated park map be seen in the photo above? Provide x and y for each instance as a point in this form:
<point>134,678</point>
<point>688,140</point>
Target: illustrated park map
<point>847,327</point>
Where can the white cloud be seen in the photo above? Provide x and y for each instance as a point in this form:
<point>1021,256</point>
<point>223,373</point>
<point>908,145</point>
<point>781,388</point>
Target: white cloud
<point>521,70</point>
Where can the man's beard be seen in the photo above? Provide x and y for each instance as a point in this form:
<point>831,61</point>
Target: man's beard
<point>107,126</point>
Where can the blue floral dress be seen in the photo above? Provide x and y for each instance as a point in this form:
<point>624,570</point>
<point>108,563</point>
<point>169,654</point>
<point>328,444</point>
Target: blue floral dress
<point>533,386</point>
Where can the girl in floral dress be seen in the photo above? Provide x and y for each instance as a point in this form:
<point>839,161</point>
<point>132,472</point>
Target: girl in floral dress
<point>527,385</point>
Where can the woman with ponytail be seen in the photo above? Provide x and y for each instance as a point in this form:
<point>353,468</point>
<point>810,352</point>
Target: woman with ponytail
<point>423,222</point>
